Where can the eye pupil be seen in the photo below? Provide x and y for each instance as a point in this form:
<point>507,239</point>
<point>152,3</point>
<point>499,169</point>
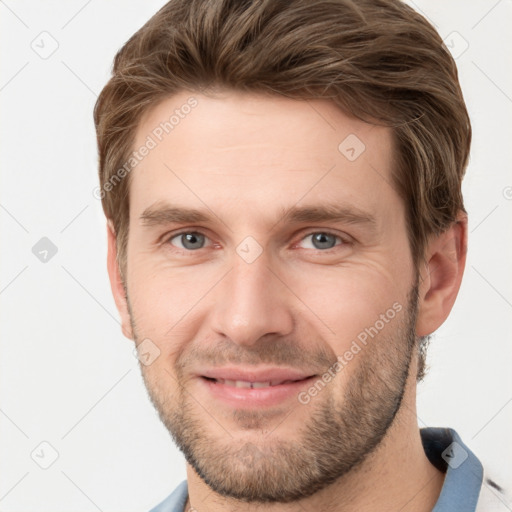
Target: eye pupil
<point>190,240</point>
<point>324,240</point>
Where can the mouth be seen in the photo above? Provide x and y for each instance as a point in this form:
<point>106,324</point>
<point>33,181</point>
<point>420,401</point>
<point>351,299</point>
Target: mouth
<point>263,390</point>
<point>253,384</point>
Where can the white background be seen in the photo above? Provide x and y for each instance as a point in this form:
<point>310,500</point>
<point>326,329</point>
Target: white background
<point>68,376</point>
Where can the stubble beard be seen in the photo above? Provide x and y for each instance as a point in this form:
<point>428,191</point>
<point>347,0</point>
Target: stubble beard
<point>340,433</point>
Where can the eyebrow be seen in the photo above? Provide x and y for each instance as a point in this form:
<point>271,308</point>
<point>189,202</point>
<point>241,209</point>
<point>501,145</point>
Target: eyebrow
<point>160,214</point>
<point>163,213</point>
<point>326,212</point>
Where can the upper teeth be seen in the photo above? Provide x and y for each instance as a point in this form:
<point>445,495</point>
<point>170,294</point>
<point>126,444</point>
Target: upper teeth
<point>246,384</point>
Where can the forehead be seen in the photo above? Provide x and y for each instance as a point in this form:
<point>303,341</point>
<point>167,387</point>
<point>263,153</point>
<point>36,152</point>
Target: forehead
<point>251,153</point>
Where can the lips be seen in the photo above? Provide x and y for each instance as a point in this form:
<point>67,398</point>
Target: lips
<point>251,385</point>
<point>249,377</point>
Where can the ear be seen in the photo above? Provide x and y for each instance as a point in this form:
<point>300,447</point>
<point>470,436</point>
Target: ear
<point>441,275</point>
<point>116,282</point>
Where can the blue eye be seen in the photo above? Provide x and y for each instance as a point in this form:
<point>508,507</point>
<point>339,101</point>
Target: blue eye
<point>322,240</point>
<point>189,240</point>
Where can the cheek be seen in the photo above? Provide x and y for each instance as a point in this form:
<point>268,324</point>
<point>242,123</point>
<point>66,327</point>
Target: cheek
<point>344,301</point>
<point>164,300</point>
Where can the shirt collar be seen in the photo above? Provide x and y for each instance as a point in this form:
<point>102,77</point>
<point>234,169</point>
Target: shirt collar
<point>464,472</point>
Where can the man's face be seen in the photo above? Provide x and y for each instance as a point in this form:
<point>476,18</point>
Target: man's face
<point>264,287</point>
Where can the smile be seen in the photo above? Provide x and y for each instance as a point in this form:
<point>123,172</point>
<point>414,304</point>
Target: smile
<point>251,385</point>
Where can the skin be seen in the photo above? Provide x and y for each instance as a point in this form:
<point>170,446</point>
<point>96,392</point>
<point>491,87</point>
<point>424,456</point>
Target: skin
<point>246,157</point>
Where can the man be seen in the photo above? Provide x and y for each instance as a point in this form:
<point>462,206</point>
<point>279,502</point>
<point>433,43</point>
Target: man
<point>282,183</point>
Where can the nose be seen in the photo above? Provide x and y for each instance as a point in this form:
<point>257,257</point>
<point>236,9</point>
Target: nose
<point>251,303</point>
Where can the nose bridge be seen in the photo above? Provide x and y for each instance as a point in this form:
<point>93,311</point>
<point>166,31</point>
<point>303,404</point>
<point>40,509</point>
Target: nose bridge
<point>251,303</point>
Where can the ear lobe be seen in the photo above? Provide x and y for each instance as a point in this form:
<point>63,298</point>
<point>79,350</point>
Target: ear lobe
<point>116,282</point>
<point>441,276</point>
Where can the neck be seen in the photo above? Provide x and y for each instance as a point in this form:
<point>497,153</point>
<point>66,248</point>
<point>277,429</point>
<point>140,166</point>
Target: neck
<point>397,474</point>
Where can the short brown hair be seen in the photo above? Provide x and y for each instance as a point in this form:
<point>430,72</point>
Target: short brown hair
<point>378,60</point>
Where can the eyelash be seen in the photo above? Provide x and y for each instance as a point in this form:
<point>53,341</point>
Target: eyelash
<point>343,241</point>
